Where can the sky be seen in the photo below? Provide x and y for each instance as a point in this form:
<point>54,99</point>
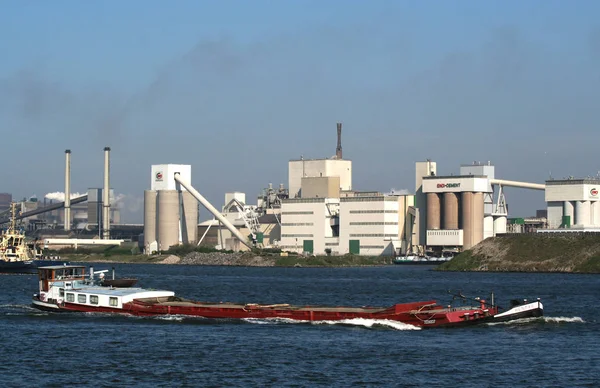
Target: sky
<point>236,89</point>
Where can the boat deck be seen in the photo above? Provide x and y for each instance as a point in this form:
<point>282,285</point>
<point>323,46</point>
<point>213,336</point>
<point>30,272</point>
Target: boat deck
<point>254,306</point>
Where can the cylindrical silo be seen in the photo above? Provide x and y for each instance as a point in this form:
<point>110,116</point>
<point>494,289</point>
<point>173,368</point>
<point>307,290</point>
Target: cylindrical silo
<point>488,226</point>
<point>467,219</point>
<point>168,219</point>
<point>595,210</point>
<point>582,213</point>
<point>67,222</point>
<point>477,218</point>
<point>433,211</point>
<point>190,219</point>
<point>450,211</point>
<point>106,196</point>
<point>149,218</point>
<point>568,211</point>
<point>499,225</point>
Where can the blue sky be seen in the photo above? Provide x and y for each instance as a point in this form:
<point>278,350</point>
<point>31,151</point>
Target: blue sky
<point>236,89</point>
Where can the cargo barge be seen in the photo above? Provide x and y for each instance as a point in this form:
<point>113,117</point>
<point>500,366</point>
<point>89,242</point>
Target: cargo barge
<point>69,289</point>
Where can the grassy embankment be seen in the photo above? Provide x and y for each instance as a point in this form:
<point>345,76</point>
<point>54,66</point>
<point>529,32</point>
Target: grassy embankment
<point>568,252</point>
<point>130,254</point>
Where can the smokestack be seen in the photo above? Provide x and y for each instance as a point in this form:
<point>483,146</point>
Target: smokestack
<point>67,190</point>
<point>106,196</point>
<point>338,150</point>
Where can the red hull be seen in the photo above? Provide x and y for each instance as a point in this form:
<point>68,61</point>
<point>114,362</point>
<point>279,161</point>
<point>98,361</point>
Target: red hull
<point>422,314</point>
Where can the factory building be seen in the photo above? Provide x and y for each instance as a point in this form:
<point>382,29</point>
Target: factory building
<point>170,211</point>
<point>375,225</point>
<point>573,204</point>
<point>365,225</point>
<point>302,170</point>
<point>455,209</point>
<point>456,212</point>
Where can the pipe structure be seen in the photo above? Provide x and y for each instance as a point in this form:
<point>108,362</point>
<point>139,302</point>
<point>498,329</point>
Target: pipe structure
<point>67,222</point>
<point>212,209</point>
<point>45,209</point>
<point>106,196</point>
<point>523,185</point>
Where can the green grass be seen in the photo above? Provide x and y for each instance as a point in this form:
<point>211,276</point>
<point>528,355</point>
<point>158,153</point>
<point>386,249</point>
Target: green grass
<point>532,253</point>
<point>464,261</point>
<point>591,265</point>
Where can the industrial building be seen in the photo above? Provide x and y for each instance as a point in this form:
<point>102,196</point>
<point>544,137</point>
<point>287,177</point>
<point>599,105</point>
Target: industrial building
<point>321,213</point>
<point>573,204</point>
<point>170,211</point>
<point>459,211</point>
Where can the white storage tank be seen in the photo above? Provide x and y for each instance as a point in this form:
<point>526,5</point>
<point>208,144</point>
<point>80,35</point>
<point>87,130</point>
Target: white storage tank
<point>595,210</point>
<point>488,227</point>
<point>499,225</point>
<point>569,211</point>
<point>582,213</point>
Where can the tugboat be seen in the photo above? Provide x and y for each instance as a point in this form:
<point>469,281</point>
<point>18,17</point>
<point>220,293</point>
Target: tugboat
<point>16,255</point>
<point>69,289</point>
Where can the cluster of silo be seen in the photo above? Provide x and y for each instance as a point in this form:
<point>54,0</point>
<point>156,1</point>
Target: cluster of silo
<point>170,211</point>
<point>582,213</point>
<point>170,218</point>
<point>460,211</point>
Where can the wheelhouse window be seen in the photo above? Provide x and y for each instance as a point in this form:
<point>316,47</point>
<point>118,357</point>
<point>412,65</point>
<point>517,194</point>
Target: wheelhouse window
<point>61,292</point>
<point>113,301</point>
<point>81,298</point>
<point>94,299</point>
<point>70,297</point>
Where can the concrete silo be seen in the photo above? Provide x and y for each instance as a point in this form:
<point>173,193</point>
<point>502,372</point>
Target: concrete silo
<point>150,227</point>
<point>433,211</point>
<point>189,229</point>
<point>467,218</point>
<point>477,217</point>
<point>450,211</point>
<point>168,219</point>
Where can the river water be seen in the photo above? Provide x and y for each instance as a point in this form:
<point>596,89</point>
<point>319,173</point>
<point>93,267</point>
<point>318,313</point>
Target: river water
<point>558,350</point>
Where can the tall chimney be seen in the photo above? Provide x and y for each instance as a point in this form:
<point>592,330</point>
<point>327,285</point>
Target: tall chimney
<point>67,222</point>
<point>338,150</point>
<point>106,196</point>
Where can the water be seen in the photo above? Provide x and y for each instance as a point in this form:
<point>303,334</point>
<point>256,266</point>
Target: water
<point>559,350</point>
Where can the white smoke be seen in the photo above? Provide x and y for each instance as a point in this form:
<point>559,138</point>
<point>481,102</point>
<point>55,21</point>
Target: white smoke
<point>398,192</point>
<point>128,202</point>
<point>60,196</point>
<point>130,206</point>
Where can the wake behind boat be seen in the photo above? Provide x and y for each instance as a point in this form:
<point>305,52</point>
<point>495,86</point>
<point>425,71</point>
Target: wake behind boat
<point>67,288</point>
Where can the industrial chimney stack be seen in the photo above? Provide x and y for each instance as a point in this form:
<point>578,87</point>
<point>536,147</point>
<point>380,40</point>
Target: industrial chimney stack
<point>338,150</point>
<point>67,222</point>
<point>106,196</point>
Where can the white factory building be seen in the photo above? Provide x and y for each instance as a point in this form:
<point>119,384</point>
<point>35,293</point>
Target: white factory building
<point>573,204</point>
<point>365,225</point>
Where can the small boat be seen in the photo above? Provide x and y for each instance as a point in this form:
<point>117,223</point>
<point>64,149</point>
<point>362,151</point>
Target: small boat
<point>69,289</point>
<point>16,254</point>
<point>121,283</point>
